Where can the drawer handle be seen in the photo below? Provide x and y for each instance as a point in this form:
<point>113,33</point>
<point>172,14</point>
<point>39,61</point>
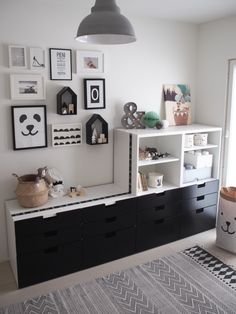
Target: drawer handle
<point>52,233</point>
<point>200,210</point>
<point>159,221</point>
<point>51,250</point>
<point>110,234</point>
<point>160,194</point>
<point>161,207</point>
<point>111,219</point>
<point>200,198</point>
<point>50,216</point>
<point>201,185</point>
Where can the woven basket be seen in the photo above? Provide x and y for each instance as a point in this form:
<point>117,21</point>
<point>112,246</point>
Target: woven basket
<point>31,192</point>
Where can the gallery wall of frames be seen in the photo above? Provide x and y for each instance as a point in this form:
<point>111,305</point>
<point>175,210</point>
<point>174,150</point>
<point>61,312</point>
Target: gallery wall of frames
<point>29,75</point>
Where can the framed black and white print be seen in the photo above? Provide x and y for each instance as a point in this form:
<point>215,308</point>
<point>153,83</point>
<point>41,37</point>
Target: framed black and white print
<point>60,64</point>
<point>94,94</point>
<point>37,58</point>
<point>29,126</point>
<point>27,86</point>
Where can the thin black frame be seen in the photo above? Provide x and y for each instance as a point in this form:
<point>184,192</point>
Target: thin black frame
<point>51,60</point>
<point>87,105</point>
<point>13,126</point>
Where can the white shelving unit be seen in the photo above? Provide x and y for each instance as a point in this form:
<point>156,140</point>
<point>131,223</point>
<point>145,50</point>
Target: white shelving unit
<point>170,140</point>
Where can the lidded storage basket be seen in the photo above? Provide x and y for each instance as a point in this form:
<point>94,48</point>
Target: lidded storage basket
<point>31,191</point>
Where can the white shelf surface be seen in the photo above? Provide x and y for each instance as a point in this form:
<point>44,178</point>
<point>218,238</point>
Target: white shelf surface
<point>208,146</point>
<point>172,130</point>
<point>95,195</point>
<point>197,182</point>
<point>157,161</point>
<point>165,186</point>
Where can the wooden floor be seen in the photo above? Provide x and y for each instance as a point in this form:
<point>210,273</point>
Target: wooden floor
<point>10,294</point>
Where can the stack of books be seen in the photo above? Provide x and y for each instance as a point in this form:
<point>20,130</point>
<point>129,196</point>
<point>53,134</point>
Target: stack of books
<point>142,182</point>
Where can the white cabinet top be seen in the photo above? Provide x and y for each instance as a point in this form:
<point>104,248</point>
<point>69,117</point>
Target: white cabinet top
<point>107,194</point>
<point>172,130</point>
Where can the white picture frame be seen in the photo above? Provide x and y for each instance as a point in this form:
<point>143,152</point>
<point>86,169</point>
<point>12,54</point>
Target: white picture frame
<point>89,61</point>
<point>66,134</point>
<point>27,86</point>
<point>17,57</point>
<point>37,58</point>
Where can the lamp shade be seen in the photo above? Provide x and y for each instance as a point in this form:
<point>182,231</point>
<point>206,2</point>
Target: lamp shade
<point>105,25</point>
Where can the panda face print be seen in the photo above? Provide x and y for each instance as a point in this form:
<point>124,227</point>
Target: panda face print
<point>29,126</point>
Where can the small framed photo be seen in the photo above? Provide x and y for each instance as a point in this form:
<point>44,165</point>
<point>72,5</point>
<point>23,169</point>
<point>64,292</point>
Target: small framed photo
<point>27,86</point>
<point>60,64</point>
<point>37,59</point>
<point>17,57</point>
<point>29,126</point>
<point>94,94</point>
<point>89,61</point>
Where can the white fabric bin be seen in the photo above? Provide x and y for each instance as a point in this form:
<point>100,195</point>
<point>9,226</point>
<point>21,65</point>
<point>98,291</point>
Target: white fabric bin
<point>226,223</point>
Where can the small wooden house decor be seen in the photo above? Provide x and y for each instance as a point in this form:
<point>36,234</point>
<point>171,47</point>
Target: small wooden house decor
<point>96,130</point>
<point>66,101</point>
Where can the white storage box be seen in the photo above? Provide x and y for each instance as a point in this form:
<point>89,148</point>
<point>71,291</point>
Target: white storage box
<point>226,223</point>
<point>196,174</point>
<point>198,160</point>
<point>200,139</point>
<point>188,140</point>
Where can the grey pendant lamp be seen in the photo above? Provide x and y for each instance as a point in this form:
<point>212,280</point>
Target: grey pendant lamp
<point>105,25</point>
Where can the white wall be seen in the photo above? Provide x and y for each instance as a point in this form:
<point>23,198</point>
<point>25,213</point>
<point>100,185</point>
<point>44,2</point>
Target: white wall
<point>215,47</point>
<point>164,53</point>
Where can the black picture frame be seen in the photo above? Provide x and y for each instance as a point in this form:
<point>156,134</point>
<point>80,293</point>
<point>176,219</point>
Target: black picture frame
<point>60,64</point>
<point>94,94</point>
<point>29,126</point>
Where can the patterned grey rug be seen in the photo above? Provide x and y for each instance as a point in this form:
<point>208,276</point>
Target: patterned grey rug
<point>192,281</point>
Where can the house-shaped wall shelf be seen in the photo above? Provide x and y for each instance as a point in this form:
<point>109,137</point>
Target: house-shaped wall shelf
<point>96,130</point>
<point>66,101</point>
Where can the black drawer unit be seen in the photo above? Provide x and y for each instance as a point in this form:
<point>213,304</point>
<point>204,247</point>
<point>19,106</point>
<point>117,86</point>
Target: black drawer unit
<point>103,212</point>
<point>76,239</point>
<point>105,232</point>
<point>42,245</point>
<point>49,263</point>
<point>198,220</point>
<point>157,219</point>
<point>199,202</point>
<point>196,190</point>
<point>199,206</point>
<point>157,232</point>
<point>158,199</point>
<point>109,246</point>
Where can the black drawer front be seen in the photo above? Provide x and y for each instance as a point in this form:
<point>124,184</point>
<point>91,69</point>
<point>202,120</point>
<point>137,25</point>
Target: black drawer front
<point>158,212</point>
<point>200,202</point>
<point>49,263</point>
<point>54,237</point>
<point>109,246</point>
<point>198,220</point>
<point>109,224</point>
<point>39,225</point>
<point>101,212</point>
<point>200,189</point>
<point>154,200</point>
<point>157,232</point>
